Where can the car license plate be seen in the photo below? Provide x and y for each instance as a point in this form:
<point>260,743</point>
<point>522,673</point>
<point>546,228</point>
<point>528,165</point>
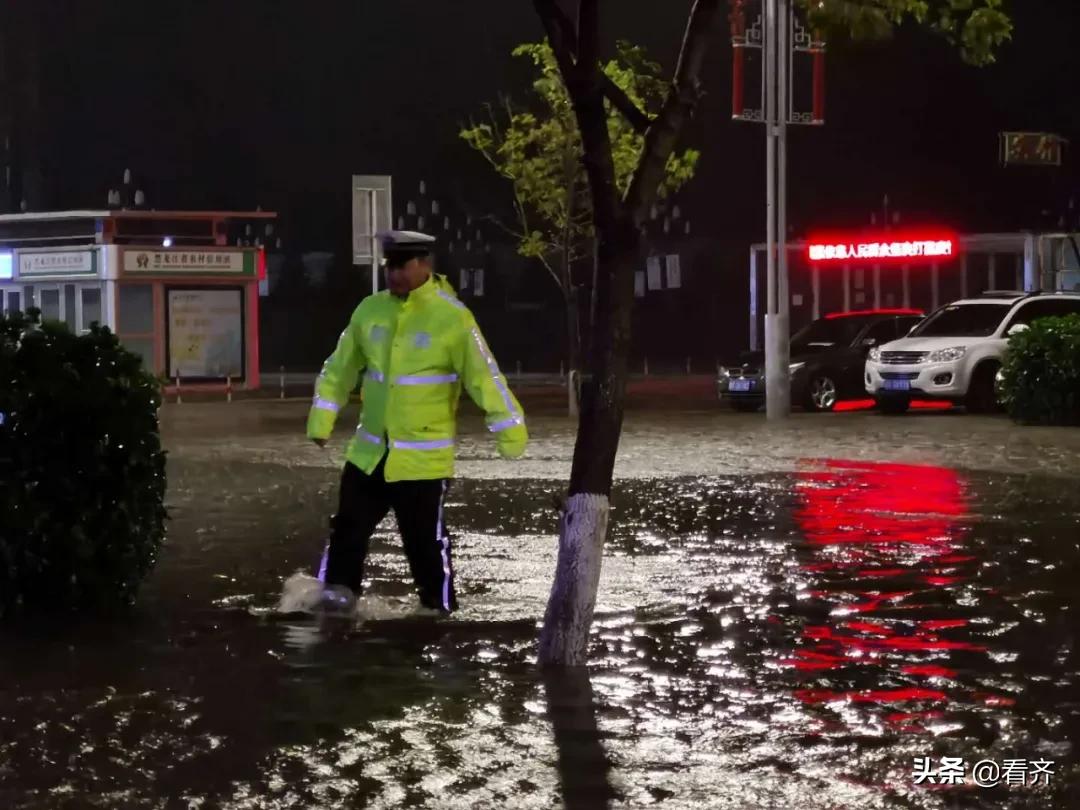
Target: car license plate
<point>741,385</point>
<point>897,385</point>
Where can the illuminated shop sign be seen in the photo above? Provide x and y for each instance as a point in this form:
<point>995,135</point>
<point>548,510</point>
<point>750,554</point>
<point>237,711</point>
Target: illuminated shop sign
<point>841,250</point>
<point>7,266</point>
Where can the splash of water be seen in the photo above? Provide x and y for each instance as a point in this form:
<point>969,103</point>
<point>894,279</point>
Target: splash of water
<point>303,593</point>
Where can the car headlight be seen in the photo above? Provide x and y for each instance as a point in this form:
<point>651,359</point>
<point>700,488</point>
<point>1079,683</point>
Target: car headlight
<point>795,367</point>
<point>875,354</point>
<point>724,372</point>
<point>948,355</point>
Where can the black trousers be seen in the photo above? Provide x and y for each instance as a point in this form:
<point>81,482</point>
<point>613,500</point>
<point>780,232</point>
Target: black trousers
<point>418,505</point>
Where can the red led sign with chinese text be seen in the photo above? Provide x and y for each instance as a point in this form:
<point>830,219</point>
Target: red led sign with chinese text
<point>921,248</point>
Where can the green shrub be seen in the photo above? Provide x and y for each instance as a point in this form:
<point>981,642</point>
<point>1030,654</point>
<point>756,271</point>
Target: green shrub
<point>82,473</point>
<point>1041,374</point>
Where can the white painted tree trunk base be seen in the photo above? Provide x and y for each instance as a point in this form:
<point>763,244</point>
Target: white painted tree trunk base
<point>564,640</point>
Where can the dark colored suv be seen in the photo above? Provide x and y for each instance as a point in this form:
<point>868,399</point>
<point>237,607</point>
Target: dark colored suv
<point>827,360</point>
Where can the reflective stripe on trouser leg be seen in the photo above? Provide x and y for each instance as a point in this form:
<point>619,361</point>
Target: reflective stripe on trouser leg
<point>419,506</point>
<point>444,549</point>
<point>321,576</point>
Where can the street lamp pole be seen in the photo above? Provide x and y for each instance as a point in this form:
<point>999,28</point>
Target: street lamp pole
<point>777,34</point>
<point>777,325</point>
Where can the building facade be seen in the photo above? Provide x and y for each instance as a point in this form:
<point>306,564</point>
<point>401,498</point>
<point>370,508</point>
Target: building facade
<point>850,272</point>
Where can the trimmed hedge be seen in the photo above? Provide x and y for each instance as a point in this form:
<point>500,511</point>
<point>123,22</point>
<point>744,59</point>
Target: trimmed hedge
<point>82,473</point>
<point>1041,373</point>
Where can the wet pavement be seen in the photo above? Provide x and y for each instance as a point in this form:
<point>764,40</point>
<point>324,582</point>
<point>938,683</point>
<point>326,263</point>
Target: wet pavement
<point>788,617</point>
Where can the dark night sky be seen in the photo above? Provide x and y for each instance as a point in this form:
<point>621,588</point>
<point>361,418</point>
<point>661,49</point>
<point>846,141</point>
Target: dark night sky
<point>235,102</point>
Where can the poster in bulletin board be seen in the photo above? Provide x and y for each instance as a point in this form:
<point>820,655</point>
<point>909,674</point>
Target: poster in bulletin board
<point>205,333</point>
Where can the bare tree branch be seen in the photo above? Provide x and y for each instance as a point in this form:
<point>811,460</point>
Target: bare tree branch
<point>562,287</point>
<point>583,85</point>
<point>523,216</point>
<point>663,135</point>
<point>625,105</point>
<point>520,237</point>
<point>587,47</point>
<point>508,106</point>
<point>502,226</point>
<point>622,102</point>
<point>488,156</point>
<point>560,34</point>
<point>637,117</point>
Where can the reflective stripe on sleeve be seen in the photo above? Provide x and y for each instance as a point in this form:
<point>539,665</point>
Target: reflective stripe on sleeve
<point>496,375</point>
<point>505,424</point>
<point>326,405</point>
<point>377,376</point>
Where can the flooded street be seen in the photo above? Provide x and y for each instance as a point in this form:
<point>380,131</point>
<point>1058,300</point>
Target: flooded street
<point>788,617</point>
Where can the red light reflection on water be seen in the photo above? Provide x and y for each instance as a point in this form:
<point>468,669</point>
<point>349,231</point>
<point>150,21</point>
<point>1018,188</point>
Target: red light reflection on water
<point>869,526</point>
<point>870,696</point>
<point>869,404</point>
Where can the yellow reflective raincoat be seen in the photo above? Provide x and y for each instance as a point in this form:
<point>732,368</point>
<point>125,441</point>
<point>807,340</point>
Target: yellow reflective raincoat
<point>416,354</point>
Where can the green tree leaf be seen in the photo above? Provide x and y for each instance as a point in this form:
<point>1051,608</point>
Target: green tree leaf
<point>977,27</point>
<point>538,149</point>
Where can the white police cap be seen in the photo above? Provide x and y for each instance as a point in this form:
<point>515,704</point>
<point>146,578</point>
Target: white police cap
<point>412,241</point>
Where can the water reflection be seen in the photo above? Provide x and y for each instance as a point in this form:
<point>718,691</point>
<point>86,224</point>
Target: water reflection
<point>887,544</point>
<point>911,637</point>
<point>761,641</point>
<point>583,763</point>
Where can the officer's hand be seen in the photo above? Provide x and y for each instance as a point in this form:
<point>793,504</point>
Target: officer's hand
<point>512,452</point>
<point>320,442</point>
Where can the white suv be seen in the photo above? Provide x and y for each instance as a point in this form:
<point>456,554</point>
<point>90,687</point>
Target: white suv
<point>955,353</point>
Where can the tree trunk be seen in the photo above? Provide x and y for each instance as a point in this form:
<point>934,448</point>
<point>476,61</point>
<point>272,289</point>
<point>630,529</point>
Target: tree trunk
<point>564,639</point>
<point>584,520</point>
<point>583,524</point>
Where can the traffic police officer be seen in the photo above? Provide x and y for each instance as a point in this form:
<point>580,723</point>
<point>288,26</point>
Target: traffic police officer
<point>417,346</point>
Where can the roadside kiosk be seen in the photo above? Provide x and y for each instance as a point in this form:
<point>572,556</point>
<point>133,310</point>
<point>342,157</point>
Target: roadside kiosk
<point>168,283</point>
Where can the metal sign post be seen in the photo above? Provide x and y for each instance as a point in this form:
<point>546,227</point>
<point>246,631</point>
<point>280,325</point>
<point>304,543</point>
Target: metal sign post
<point>777,34</point>
<point>372,211</point>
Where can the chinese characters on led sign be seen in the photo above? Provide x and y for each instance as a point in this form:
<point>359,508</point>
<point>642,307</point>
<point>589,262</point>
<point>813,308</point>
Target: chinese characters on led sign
<point>907,249</point>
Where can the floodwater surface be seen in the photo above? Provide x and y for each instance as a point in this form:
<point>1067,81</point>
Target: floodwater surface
<point>787,618</point>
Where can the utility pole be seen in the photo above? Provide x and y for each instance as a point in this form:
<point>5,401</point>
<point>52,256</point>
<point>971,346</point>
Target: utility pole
<point>778,35</point>
<point>777,323</point>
